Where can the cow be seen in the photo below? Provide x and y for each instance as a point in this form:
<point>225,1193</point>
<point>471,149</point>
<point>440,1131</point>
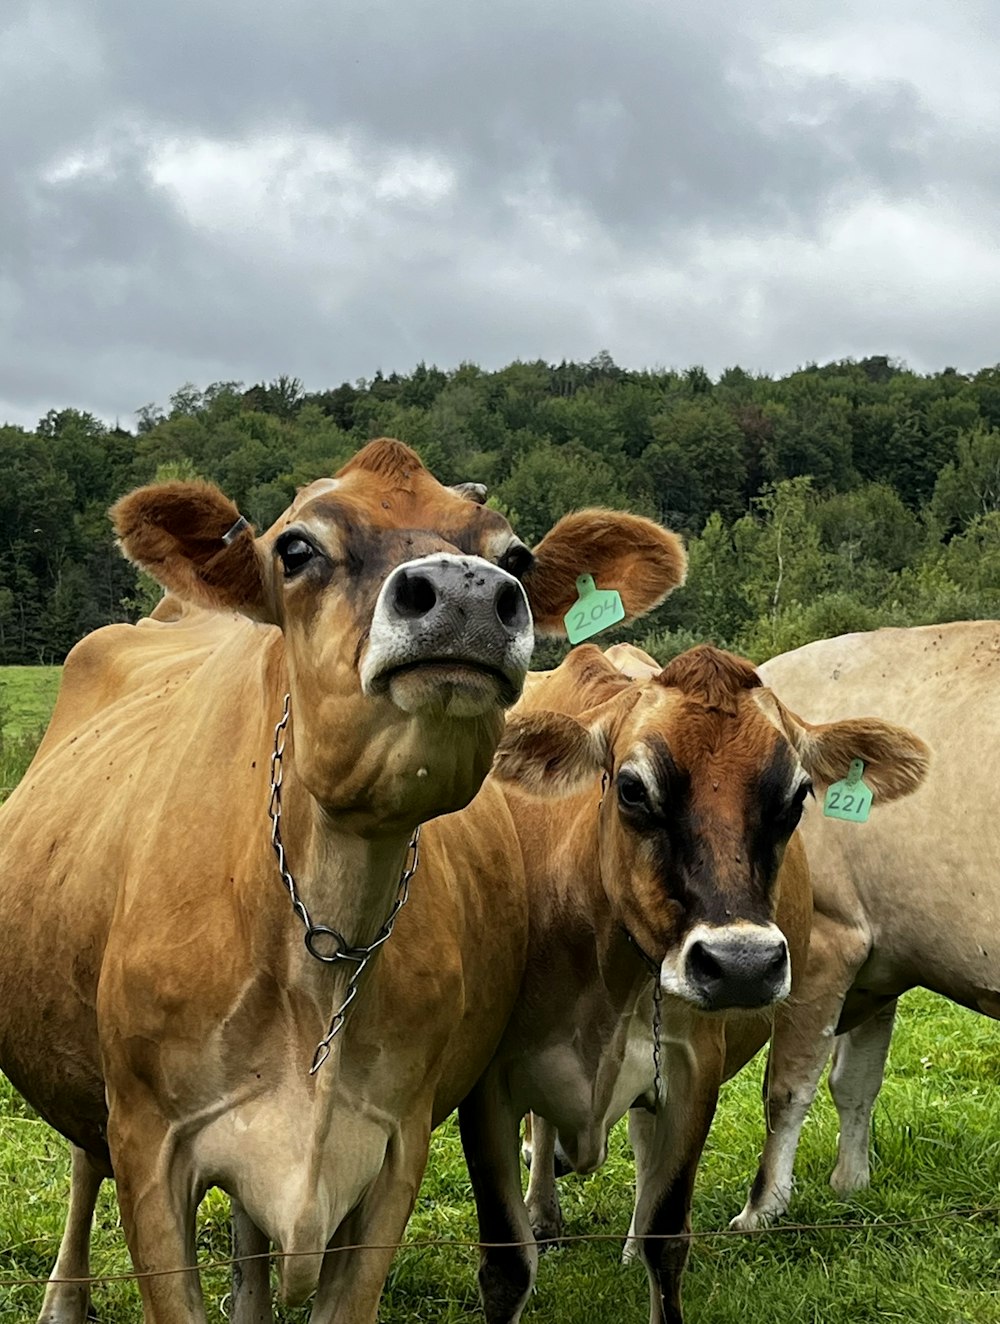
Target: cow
<point>670,909</point>
<point>908,899</point>
<point>201,870</point>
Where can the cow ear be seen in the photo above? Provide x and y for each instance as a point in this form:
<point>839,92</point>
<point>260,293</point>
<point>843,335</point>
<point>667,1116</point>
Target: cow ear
<point>896,761</point>
<point>549,754</point>
<point>639,558</point>
<point>189,537</point>
<point>632,662</point>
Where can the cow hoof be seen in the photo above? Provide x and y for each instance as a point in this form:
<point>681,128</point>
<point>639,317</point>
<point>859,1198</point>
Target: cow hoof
<point>848,1181</point>
<point>548,1235</point>
<point>752,1220</point>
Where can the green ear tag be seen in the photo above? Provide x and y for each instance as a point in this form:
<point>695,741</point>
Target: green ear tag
<point>594,610</point>
<point>850,799</point>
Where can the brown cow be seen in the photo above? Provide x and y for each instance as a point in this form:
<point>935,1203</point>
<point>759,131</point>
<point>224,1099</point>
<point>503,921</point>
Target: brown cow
<point>157,1005</point>
<point>670,850</point>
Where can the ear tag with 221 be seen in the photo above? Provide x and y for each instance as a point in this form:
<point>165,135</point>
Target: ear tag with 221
<point>594,610</point>
<point>849,799</point>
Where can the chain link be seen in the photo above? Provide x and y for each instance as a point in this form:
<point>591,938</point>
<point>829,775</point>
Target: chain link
<point>324,943</point>
<point>657,1014</point>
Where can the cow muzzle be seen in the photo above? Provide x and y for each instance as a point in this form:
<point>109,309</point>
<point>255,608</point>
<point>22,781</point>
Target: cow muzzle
<point>720,968</point>
<point>450,634</point>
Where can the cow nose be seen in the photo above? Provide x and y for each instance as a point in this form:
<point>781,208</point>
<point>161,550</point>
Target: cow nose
<point>449,629</point>
<point>422,593</point>
<point>745,968</point>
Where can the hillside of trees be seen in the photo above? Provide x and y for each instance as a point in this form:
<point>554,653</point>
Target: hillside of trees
<point>837,498</point>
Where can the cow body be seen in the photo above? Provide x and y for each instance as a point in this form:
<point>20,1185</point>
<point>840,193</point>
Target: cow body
<point>205,999</point>
<point>673,861</point>
<point>159,1007</point>
<point>908,899</point>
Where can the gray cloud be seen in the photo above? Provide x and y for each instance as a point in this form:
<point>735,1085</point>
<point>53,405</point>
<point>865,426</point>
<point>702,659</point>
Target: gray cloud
<point>236,190</point>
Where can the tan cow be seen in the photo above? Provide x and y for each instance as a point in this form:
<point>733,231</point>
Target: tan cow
<point>157,1004</point>
<point>669,849</point>
<point>909,898</point>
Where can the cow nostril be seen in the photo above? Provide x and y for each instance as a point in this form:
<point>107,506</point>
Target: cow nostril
<point>776,965</point>
<point>414,595</point>
<point>510,606</point>
<point>702,965</point>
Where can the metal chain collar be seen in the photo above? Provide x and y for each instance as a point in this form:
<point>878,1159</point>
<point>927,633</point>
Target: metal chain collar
<point>323,942</point>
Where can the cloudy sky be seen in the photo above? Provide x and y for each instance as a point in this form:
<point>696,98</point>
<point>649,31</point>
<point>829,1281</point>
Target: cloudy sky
<point>206,190</point>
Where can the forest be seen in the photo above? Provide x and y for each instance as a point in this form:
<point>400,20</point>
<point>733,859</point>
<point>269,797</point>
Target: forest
<point>840,497</point>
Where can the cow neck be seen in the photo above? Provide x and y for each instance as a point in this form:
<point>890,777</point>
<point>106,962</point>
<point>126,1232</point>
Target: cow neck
<point>337,885</point>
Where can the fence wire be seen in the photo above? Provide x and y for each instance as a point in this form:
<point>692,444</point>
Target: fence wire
<point>435,1243</point>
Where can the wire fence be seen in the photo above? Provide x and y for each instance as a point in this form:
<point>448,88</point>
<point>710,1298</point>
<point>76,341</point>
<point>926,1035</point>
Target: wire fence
<point>435,1243</point>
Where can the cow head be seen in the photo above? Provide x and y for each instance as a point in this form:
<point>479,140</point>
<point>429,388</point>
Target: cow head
<point>707,774</point>
<point>406,609</point>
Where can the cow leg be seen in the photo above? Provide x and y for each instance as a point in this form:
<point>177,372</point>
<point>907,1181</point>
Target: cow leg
<point>670,1153</point>
<point>542,1198</point>
<point>641,1126</point>
<point>351,1281</point>
<point>855,1080</point>
<point>800,1045</point>
<point>68,1303</point>
<point>250,1302</point>
<point>158,1198</point>
<point>490,1138</point>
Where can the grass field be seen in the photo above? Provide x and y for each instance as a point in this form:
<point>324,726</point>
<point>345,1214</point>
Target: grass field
<point>936,1156</point>
<point>27,695</point>
<point>937,1152</point>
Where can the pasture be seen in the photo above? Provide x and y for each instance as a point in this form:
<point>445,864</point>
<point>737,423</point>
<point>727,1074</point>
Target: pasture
<point>911,1250</point>
<point>27,696</point>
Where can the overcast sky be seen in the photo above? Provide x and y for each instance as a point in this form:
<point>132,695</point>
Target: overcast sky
<point>207,190</point>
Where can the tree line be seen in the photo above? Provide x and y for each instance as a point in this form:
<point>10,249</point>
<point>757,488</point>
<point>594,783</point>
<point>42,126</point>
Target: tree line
<point>840,497</point>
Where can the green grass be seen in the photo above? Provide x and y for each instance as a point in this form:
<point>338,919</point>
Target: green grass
<point>27,697</point>
<point>936,1152</point>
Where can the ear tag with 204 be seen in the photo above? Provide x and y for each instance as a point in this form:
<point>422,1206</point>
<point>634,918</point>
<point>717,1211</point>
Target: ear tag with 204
<point>849,799</point>
<point>594,610</point>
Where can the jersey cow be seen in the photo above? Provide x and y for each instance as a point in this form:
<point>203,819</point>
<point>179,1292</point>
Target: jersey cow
<point>670,903</point>
<point>910,898</point>
<point>157,1005</point>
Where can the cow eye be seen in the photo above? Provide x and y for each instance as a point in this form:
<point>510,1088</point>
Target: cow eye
<point>793,809</point>
<point>799,798</point>
<point>631,791</point>
<point>295,554</point>
<point>516,560</point>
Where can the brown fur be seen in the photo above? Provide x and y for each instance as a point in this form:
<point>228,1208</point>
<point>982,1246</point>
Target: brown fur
<point>174,531</point>
<point>896,761</point>
<point>548,754</point>
<point>387,458</point>
<point>712,677</point>
<point>644,556</point>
